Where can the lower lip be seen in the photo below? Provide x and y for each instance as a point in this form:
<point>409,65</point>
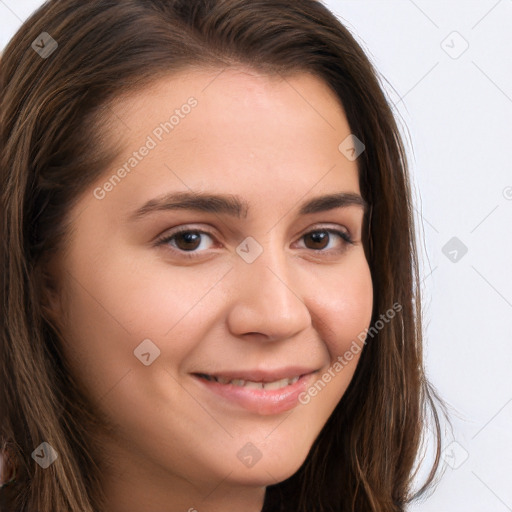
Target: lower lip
<point>260,401</point>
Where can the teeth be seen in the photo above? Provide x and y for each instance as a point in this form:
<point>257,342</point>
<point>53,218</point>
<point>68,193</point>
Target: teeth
<point>254,385</point>
<point>277,384</point>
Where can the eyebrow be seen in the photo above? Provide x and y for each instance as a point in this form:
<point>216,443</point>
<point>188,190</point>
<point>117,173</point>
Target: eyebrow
<point>236,207</point>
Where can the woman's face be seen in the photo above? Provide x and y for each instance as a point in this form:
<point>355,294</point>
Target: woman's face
<point>260,293</point>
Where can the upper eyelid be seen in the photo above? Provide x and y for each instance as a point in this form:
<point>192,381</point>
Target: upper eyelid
<point>187,228</point>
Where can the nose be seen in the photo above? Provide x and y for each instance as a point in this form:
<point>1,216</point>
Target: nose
<point>265,301</point>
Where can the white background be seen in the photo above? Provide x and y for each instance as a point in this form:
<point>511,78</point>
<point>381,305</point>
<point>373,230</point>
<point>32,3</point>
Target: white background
<point>455,108</point>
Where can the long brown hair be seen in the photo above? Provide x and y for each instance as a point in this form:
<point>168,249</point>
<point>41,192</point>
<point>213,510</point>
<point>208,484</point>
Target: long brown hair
<point>53,110</point>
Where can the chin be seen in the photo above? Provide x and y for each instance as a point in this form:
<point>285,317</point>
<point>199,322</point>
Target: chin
<point>269,472</point>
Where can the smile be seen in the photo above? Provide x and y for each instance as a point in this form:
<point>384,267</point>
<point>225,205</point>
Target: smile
<point>261,393</point>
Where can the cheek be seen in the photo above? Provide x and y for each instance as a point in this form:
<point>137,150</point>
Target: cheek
<point>113,306</point>
<point>344,305</point>
<point>342,301</point>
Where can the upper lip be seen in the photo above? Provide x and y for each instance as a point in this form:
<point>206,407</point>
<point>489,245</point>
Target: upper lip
<point>257,375</point>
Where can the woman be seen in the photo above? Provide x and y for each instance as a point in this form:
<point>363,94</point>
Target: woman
<point>263,371</point>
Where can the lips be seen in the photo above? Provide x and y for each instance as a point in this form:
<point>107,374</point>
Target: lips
<point>262,392</point>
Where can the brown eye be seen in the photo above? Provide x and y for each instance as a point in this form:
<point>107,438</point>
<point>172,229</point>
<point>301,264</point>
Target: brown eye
<point>319,239</point>
<point>188,240</point>
<point>185,241</point>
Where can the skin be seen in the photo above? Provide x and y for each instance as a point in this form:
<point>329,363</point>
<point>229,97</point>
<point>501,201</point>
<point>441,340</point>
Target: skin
<point>273,142</point>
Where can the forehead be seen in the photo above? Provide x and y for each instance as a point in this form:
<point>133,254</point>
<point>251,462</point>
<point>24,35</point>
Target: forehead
<point>231,85</point>
<point>269,139</point>
<point>233,105</point>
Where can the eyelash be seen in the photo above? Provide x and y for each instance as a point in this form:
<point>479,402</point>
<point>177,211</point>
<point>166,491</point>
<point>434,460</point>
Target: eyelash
<point>193,254</point>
